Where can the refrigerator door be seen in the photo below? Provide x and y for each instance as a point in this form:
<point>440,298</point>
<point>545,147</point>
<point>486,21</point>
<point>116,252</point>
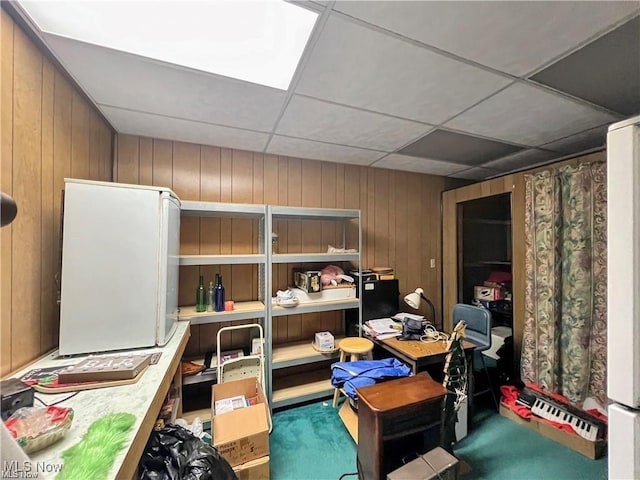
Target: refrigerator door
<point>623,264</point>
<point>169,267</point>
<point>109,268</point>
<point>624,443</point>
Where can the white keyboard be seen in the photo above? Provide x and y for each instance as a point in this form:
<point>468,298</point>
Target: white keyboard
<point>555,414</point>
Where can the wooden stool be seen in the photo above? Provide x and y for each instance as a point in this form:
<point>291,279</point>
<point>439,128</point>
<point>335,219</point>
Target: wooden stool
<point>358,348</point>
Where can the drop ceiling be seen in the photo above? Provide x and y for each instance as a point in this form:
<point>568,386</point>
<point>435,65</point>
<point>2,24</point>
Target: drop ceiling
<point>469,90</point>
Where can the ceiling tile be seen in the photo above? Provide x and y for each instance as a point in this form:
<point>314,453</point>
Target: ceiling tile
<point>295,147</point>
<point>476,173</point>
<point>327,122</point>
<point>520,160</point>
<point>418,165</point>
<point>529,115</point>
<point>514,37</point>
<point>360,67</point>
<point>128,81</point>
<point>605,72</point>
<point>456,147</point>
<point>149,125</point>
<point>596,137</point>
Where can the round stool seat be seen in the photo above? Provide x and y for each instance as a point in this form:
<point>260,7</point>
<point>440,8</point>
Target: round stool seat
<point>357,348</point>
<point>356,345</point>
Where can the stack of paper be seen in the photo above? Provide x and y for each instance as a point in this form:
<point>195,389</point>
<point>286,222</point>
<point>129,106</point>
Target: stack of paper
<point>382,328</point>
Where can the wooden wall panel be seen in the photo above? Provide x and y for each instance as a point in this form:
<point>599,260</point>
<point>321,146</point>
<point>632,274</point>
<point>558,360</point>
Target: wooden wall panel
<point>514,184</point>
<point>27,173</point>
<point>49,132</point>
<point>400,220</point>
<point>6,185</point>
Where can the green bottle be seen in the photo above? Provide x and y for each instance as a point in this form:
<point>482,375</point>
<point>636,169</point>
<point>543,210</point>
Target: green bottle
<point>201,297</point>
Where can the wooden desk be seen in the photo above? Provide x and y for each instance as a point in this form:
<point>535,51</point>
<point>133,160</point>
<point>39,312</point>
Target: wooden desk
<point>143,399</point>
<point>392,419</point>
<point>419,355</point>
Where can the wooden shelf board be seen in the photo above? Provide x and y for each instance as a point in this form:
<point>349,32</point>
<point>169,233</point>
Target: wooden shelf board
<point>248,259</point>
<point>204,414</point>
<point>242,311</point>
<point>301,393</point>
<point>299,353</point>
<point>217,209</point>
<point>311,307</point>
<point>314,257</point>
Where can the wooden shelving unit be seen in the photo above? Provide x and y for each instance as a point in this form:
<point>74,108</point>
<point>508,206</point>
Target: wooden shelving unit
<point>309,385</point>
<point>297,387</point>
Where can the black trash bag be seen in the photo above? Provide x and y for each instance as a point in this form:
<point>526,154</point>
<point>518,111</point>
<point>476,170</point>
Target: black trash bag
<point>174,453</point>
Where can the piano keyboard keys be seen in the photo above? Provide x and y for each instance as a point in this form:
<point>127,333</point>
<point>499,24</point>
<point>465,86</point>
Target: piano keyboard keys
<point>555,414</point>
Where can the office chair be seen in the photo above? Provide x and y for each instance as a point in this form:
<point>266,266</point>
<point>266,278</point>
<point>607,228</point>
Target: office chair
<point>478,332</point>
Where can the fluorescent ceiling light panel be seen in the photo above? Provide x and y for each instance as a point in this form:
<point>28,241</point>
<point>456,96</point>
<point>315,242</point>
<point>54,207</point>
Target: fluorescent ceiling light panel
<point>256,41</point>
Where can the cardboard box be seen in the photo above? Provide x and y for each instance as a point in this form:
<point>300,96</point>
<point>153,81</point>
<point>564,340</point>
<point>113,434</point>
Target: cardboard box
<point>241,435</point>
<point>592,450</point>
<point>308,281</point>
<point>253,470</point>
<point>324,341</point>
<point>435,464</point>
<point>487,293</point>
<point>498,336</point>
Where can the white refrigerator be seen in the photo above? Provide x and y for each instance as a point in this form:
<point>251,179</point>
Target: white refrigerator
<point>120,247</point>
<point>623,298</point>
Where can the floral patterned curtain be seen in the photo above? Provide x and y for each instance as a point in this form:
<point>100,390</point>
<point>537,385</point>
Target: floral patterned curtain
<point>564,346</point>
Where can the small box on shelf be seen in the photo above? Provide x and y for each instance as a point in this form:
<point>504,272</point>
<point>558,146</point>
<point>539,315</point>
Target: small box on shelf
<point>324,341</point>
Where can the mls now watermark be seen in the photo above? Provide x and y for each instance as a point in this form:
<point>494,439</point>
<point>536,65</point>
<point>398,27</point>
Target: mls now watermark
<point>28,469</point>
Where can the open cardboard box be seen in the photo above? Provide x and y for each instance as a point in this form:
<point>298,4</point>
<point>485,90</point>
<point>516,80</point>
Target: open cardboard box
<point>590,449</point>
<point>243,434</point>
<point>253,470</point>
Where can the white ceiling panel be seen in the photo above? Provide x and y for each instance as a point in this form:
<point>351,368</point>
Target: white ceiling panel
<point>528,115</point>
<point>295,147</point>
<point>519,160</point>
<point>419,165</point>
<point>149,125</point>
<point>328,122</point>
<point>596,137</point>
<point>513,37</point>
<point>123,80</point>
<point>360,67</point>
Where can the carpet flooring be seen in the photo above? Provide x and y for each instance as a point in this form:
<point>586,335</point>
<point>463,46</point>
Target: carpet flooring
<point>311,443</point>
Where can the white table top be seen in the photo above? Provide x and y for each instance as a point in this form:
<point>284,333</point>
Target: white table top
<point>90,405</point>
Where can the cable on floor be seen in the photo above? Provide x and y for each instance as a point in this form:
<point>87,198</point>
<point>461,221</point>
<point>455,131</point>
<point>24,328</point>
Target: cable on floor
<point>347,475</point>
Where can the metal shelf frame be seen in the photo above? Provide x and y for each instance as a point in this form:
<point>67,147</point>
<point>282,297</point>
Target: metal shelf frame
<point>262,309</point>
<point>275,353</point>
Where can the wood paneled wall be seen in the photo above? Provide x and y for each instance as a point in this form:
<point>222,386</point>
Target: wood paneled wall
<point>49,132</point>
<point>515,185</point>
<point>400,216</point>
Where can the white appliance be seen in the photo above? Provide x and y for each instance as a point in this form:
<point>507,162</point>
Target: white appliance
<point>623,298</point>
<point>120,247</point>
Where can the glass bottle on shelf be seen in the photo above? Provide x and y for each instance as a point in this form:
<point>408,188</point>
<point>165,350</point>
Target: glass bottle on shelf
<point>219,294</point>
<point>211,299</point>
<point>201,297</point>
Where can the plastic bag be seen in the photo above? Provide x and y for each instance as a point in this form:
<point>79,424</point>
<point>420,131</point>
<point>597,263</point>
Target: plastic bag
<point>175,453</point>
<point>35,428</point>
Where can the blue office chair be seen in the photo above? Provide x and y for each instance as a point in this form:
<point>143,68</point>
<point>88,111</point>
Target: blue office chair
<point>478,332</point>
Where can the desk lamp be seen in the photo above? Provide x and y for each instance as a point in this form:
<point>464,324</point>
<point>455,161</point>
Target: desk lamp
<point>413,300</point>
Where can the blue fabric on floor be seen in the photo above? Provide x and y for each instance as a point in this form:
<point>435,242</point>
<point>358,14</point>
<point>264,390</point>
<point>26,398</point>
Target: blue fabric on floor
<point>358,374</point>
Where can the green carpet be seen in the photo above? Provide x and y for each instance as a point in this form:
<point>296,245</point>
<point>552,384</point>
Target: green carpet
<point>311,443</point>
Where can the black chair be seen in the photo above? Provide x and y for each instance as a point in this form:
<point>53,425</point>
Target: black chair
<point>478,332</point>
